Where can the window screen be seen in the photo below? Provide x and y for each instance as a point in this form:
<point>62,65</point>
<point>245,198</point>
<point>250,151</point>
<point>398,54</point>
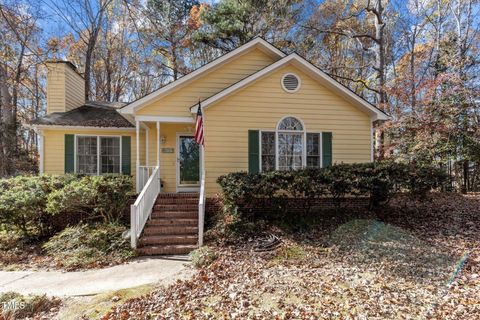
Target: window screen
<point>87,155</point>
<point>268,151</point>
<point>109,155</point>
<point>313,150</point>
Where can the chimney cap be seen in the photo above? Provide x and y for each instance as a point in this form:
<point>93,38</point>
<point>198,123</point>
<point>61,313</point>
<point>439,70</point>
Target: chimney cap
<point>68,63</point>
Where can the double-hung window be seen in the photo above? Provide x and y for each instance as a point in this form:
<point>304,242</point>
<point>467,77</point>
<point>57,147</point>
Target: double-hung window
<point>313,150</point>
<point>98,155</point>
<point>268,151</point>
<point>109,155</point>
<point>290,147</point>
<point>87,155</point>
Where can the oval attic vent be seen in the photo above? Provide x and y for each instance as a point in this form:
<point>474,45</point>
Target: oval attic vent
<point>290,82</point>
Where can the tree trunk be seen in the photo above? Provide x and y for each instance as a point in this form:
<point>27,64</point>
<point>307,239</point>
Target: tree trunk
<point>413,90</point>
<point>6,125</point>
<point>92,41</point>
<point>16,84</point>
<point>109,71</point>
<point>380,54</point>
<point>88,63</point>
<point>465,186</point>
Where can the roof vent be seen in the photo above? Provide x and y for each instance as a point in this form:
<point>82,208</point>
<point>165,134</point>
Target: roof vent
<point>290,82</point>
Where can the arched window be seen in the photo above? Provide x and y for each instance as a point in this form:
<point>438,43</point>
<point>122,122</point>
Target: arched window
<point>290,124</point>
<point>290,144</point>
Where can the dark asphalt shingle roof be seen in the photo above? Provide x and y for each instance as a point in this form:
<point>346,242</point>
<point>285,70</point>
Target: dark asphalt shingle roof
<point>92,114</point>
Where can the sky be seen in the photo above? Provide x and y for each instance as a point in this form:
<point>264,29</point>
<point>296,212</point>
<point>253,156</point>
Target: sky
<point>53,25</point>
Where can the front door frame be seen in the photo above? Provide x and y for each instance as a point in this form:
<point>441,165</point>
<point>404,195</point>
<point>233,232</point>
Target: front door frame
<point>186,188</point>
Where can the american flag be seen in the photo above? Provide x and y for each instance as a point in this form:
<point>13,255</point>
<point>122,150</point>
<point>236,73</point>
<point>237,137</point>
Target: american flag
<point>199,126</point>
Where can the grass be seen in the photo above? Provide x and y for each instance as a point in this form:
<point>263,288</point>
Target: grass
<point>95,306</point>
<point>371,240</point>
<point>290,252</point>
<point>203,257</point>
<point>16,306</point>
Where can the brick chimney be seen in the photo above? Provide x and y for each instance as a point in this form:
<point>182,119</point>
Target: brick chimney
<point>65,87</point>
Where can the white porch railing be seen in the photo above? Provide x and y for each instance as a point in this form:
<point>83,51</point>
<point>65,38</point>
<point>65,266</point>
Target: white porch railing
<point>144,173</point>
<point>142,208</point>
<point>201,211</point>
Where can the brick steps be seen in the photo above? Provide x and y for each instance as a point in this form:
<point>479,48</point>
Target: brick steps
<point>175,229</point>
<point>164,221</point>
<point>166,249</point>
<point>174,215</point>
<point>169,239</point>
<point>172,227</point>
<point>170,201</point>
<point>176,207</point>
<point>177,195</point>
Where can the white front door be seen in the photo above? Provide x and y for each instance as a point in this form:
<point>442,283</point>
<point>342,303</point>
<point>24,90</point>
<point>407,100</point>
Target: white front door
<point>188,164</point>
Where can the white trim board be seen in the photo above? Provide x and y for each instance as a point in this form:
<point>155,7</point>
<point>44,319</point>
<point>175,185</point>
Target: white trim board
<point>311,70</point>
<point>41,151</point>
<point>255,43</point>
<point>165,119</point>
<point>80,128</point>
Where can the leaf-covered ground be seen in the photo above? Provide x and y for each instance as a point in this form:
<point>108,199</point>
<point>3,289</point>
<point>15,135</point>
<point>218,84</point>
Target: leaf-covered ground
<point>415,260</point>
<point>84,246</point>
<point>17,306</point>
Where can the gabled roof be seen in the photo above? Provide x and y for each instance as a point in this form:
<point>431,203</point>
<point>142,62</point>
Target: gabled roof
<point>92,114</point>
<point>254,43</point>
<point>311,70</point>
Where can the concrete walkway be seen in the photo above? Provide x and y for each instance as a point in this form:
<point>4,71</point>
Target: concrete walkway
<point>56,283</point>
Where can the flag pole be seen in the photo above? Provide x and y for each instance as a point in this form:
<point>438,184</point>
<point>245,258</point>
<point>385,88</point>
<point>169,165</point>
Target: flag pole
<point>201,203</point>
<point>203,144</point>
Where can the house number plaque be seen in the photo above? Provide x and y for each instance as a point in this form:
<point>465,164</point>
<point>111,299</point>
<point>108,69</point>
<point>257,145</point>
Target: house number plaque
<point>167,150</point>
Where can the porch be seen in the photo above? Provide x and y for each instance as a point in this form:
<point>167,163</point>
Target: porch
<point>169,163</point>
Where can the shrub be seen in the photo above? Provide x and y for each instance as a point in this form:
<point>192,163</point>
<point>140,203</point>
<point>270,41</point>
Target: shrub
<point>244,192</point>
<point>34,204</point>
<point>23,200</point>
<point>96,196</point>
<point>86,245</point>
<point>202,257</point>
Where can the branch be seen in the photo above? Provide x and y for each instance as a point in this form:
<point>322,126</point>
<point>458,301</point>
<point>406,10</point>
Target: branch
<point>341,33</point>
<point>374,10</point>
<point>354,80</point>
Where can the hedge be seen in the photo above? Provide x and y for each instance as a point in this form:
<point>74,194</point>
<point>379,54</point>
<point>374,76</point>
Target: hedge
<point>33,204</point>
<point>378,181</point>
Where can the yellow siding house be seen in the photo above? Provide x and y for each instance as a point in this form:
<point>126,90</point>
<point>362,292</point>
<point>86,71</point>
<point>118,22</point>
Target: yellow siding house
<point>262,110</point>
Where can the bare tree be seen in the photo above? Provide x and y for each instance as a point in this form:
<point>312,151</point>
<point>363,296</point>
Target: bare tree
<point>350,25</point>
<point>19,26</point>
<point>85,18</point>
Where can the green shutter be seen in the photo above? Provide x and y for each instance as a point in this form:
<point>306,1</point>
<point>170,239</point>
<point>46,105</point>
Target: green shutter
<point>326,149</point>
<point>69,153</point>
<point>126,156</point>
<point>253,152</point>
